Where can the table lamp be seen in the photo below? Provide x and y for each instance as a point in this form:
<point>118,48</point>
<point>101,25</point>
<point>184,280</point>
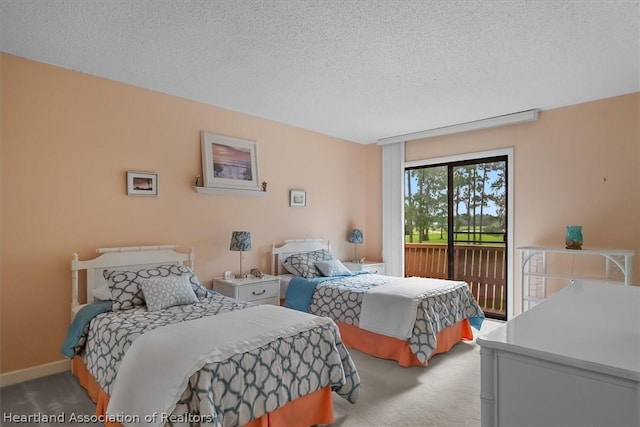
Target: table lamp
<point>240,241</point>
<point>356,237</point>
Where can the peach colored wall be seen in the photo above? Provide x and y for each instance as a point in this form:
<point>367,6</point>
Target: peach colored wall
<point>575,165</point>
<point>373,224</point>
<point>67,141</point>
<point>68,138</point>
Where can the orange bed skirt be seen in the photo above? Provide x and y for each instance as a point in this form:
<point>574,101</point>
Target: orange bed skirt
<point>396,349</point>
<point>314,408</point>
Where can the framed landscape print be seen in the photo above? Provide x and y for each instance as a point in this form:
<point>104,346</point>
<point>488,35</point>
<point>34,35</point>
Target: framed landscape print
<point>142,183</point>
<point>229,162</point>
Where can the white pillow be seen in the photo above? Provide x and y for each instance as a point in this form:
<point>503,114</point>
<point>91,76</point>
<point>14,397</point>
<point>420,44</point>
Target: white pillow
<point>332,268</point>
<point>102,293</point>
<point>164,292</point>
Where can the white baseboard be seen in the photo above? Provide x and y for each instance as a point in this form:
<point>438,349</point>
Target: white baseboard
<point>21,375</point>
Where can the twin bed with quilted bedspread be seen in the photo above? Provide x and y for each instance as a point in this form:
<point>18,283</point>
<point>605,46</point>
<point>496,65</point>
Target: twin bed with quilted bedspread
<point>404,319</point>
<point>165,351</point>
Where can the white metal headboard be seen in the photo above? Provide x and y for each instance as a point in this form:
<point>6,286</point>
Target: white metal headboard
<point>280,252</point>
<point>130,258</point>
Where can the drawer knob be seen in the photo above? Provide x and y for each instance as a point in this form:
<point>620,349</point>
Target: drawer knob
<point>259,293</point>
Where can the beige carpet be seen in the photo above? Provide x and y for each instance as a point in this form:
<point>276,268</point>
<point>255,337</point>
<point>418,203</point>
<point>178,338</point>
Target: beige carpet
<point>446,393</point>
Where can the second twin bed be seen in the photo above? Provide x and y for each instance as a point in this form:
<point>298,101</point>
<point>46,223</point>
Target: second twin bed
<point>404,319</point>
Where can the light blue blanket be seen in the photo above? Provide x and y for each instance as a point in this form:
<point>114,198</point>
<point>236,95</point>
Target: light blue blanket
<point>300,291</point>
<point>476,321</point>
<point>76,330</point>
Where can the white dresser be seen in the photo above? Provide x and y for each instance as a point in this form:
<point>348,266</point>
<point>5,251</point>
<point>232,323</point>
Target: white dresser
<point>572,360</point>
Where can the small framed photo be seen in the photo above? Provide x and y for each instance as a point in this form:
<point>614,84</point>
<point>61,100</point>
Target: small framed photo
<point>142,183</point>
<point>298,198</point>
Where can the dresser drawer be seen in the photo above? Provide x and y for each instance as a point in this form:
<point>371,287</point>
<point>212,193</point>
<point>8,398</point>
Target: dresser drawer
<point>259,291</point>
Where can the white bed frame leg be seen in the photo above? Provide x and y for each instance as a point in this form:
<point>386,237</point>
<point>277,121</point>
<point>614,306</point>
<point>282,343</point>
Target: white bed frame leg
<point>74,285</point>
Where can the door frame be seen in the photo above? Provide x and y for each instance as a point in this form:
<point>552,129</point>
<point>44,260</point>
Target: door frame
<point>509,152</point>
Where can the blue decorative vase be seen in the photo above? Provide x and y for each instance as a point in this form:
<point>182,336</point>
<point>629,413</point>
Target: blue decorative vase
<point>573,239</point>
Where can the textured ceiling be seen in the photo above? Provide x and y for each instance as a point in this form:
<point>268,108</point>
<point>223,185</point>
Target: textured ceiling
<point>358,70</point>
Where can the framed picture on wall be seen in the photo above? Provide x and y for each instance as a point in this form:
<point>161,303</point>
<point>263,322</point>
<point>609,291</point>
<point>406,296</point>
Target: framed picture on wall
<point>142,183</point>
<point>298,198</point>
<point>229,162</point>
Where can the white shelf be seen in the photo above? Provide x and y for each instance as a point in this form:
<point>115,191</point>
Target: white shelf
<point>570,277</point>
<point>535,274</point>
<point>535,299</point>
<point>229,191</point>
<point>593,251</point>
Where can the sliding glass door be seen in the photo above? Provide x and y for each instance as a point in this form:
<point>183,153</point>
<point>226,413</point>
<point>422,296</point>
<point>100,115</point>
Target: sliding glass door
<point>456,226</point>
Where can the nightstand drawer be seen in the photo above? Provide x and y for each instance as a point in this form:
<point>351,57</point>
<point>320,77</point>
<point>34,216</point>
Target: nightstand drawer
<point>257,291</point>
<point>264,290</point>
<point>371,267</point>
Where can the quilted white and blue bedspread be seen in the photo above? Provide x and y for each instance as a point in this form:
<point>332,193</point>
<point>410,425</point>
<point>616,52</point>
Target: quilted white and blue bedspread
<point>215,392</point>
<point>340,298</point>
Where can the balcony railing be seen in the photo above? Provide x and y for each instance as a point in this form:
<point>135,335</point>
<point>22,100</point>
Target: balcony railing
<point>481,266</point>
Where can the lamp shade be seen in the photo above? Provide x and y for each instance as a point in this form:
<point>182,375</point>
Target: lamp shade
<point>240,241</point>
<point>356,236</point>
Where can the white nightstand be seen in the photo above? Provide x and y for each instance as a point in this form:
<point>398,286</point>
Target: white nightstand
<point>260,291</point>
<point>371,267</point>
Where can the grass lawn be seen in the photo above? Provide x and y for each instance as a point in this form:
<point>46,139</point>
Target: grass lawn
<point>434,238</point>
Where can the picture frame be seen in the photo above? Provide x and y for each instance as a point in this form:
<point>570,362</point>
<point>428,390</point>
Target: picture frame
<point>142,183</point>
<point>229,162</point>
<point>298,198</point>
